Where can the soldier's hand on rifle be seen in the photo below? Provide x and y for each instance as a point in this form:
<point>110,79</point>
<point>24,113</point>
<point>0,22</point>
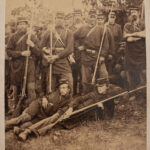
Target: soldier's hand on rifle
<point>81,48</point>
<point>30,43</point>
<point>45,50</point>
<point>26,53</point>
<point>44,102</point>
<point>53,58</point>
<point>100,105</point>
<point>68,113</point>
<point>102,59</point>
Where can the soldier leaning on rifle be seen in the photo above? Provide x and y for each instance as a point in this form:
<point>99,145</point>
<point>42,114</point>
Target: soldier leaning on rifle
<point>17,50</point>
<point>54,105</point>
<point>135,54</point>
<point>80,35</point>
<point>102,90</point>
<point>62,42</point>
<point>92,44</point>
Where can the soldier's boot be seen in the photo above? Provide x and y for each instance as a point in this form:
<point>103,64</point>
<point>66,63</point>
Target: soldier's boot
<point>12,100</point>
<point>18,130</point>
<point>16,121</point>
<point>23,136</point>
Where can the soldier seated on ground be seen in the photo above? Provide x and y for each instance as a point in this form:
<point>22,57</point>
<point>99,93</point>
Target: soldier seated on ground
<point>54,104</point>
<point>102,91</point>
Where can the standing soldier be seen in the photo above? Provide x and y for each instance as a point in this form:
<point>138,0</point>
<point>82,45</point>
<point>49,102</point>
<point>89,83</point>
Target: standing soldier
<point>62,41</point>
<point>135,54</point>
<point>117,36</point>
<point>17,49</point>
<point>76,68</point>
<point>8,33</point>
<point>80,35</point>
<point>90,55</point>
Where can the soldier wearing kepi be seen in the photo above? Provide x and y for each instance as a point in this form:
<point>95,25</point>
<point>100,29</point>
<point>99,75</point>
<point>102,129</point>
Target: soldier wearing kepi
<point>117,35</point>
<point>80,35</point>
<point>135,54</point>
<point>101,91</point>
<point>76,67</point>
<point>98,36</point>
<point>17,49</point>
<point>54,105</point>
<point>62,42</point>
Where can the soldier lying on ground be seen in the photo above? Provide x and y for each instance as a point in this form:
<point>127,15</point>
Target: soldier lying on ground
<point>54,105</point>
<point>103,90</point>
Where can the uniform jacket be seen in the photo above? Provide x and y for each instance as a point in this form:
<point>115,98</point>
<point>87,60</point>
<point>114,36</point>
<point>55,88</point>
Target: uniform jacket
<point>17,44</point>
<point>116,33</point>
<point>94,96</point>
<point>62,64</point>
<point>135,54</point>
<point>57,103</point>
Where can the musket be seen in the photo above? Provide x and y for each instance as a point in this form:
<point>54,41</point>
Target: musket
<point>50,66</point>
<point>43,130</point>
<point>23,92</point>
<point>98,57</point>
<point>99,52</point>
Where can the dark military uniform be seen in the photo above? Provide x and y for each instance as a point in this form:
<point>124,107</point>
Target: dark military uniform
<point>61,67</point>
<point>35,111</point>
<point>89,56</point>
<point>7,74</point>
<point>15,46</point>
<point>80,35</point>
<point>94,97</point>
<point>135,55</point>
<point>117,36</point>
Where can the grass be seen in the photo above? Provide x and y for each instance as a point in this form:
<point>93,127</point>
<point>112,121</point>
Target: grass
<point>126,131</point>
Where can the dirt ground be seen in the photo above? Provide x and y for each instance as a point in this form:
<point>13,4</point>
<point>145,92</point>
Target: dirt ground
<point>126,131</point>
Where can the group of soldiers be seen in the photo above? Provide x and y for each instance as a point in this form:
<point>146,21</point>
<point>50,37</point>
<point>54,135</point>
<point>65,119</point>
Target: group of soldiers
<point>72,63</point>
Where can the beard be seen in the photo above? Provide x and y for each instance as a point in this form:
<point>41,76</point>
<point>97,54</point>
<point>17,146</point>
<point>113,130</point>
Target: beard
<point>22,30</point>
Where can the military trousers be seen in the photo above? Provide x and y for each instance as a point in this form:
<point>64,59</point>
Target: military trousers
<point>87,74</point>
<point>55,79</point>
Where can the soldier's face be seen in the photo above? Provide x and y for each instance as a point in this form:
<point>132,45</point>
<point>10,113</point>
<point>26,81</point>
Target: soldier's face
<point>102,89</point>
<point>59,21</point>
<point>64,89</point>
<point>92,21</point>
<point>112,19</point>
<point>134,12</point>
<point>22,26</point>
<point>100,20</point>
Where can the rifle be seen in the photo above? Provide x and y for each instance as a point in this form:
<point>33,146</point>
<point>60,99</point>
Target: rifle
<point>50,67</point>
<point>100,49</point>
<point>23,92</point>
<point>43,130</point>
<point>99,53</point>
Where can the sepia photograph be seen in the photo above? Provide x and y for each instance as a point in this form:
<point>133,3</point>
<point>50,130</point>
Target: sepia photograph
<point>75,75</point>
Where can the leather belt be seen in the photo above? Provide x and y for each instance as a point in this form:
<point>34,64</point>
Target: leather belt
<point>91,51</point>
<point>57,50</point>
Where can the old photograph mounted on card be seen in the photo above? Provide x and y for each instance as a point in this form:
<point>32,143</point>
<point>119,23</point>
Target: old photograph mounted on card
<point>75,75</point>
